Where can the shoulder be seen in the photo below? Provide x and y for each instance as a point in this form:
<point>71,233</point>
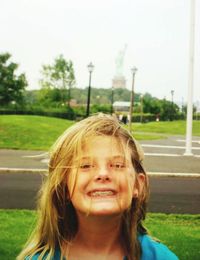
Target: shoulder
<point>37,256</point>
<point>34,257</point>
<point>153,250</point>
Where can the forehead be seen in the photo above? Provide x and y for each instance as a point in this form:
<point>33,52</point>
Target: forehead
<point>105,145</point>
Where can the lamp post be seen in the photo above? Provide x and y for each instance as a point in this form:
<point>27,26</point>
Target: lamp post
<point>90,69</point>
<point>112,99</point>
<point>69,93</point>
<point>141,108</point>
<point>133,70</point>
<point>172,93</point>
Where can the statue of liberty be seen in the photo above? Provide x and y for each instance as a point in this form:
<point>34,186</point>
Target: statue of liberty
<point>119,62</point>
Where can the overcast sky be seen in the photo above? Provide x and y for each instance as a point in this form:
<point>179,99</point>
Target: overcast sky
<point>156,33</point>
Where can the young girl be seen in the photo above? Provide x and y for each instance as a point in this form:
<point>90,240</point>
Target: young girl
<point>94,199</point>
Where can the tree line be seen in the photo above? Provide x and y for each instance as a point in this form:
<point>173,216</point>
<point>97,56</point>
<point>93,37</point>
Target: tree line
<point>58,93</point>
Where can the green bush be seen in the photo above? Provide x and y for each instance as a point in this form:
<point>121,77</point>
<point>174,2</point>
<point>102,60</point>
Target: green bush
<point>68,113</point>
<point>73,113</point>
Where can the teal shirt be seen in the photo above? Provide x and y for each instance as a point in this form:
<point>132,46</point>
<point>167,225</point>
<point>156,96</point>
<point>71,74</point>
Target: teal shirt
<point>151,250</point>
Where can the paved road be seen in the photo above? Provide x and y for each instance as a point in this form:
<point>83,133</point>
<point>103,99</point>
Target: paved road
<point>160,156</point>
<point>175,195</point>
<point>168,195</point>
<point>168,155</point>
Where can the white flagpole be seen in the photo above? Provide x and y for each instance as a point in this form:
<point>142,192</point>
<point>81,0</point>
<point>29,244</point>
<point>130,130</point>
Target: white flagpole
<point>188,146</point>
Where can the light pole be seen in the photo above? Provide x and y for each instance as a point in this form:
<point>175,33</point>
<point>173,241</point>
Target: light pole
<point>112,99</point>
<point>188,144</point>
<point>69,93</point>
<point>133,70</point>
<point>172,93</point>
<point>90,69</point>
<point>141,108</point>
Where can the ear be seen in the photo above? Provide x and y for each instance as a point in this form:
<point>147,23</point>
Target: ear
<point>139,184</point>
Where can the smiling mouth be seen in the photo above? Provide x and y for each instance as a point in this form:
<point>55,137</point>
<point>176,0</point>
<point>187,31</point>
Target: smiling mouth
<point>106,193</point>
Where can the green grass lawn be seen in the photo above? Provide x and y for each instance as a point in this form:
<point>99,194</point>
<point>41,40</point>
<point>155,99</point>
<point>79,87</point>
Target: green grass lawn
<point>167,127</point>
<point>181,233</point>
<point>30,132</point>
<point>39,133</point>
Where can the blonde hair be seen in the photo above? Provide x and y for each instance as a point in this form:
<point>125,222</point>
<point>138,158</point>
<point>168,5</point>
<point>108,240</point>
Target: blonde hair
<point>57,222</point>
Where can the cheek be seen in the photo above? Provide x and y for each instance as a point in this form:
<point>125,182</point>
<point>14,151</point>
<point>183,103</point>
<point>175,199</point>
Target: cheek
<point>127,192</point>
<point>78,183</point>
<point>128,183</point>
<point>72,182</point>
<point>131,185</point>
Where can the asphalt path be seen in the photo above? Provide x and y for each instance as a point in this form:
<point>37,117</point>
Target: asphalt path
<point>168,194</point>
<point>160,156</point>
<point>167,155</point>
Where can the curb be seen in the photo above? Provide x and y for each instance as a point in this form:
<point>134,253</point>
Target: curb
<point>23,170</point>
<point>151,174</point>
<point>175,174</point>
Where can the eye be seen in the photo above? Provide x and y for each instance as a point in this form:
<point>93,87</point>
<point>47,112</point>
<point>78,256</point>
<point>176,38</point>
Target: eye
<point>117,165</point>
<point>86,166</point>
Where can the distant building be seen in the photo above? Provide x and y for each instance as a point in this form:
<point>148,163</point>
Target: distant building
<point>121,106</point>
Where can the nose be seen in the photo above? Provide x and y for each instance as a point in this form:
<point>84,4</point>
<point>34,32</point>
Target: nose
<point>102,174</point>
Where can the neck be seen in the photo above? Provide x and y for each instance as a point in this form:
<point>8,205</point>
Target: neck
<point>102,232</point>
<point>97,236</point>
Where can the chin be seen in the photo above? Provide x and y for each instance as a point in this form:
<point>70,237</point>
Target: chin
<point>104,211</point>
<point>103,208</point>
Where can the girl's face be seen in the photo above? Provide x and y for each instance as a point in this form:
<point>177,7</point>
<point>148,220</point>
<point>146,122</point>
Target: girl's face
<point>105,181</point>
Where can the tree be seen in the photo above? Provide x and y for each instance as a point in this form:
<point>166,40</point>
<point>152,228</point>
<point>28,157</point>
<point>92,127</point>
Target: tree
<point>12,87</point>
<point>164,109</point>
<point>58,76</point>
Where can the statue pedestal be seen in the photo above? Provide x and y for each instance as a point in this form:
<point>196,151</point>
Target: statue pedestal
<point>119,82</point>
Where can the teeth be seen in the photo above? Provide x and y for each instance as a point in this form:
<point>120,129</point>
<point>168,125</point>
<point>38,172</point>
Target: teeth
<point>102,193</point>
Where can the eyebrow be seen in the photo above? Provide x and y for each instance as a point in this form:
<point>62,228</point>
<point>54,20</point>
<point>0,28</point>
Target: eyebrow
<point>111,157</point>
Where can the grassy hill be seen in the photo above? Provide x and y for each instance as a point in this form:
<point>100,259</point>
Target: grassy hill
<point>30,132</point>
<point>39,133</point>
